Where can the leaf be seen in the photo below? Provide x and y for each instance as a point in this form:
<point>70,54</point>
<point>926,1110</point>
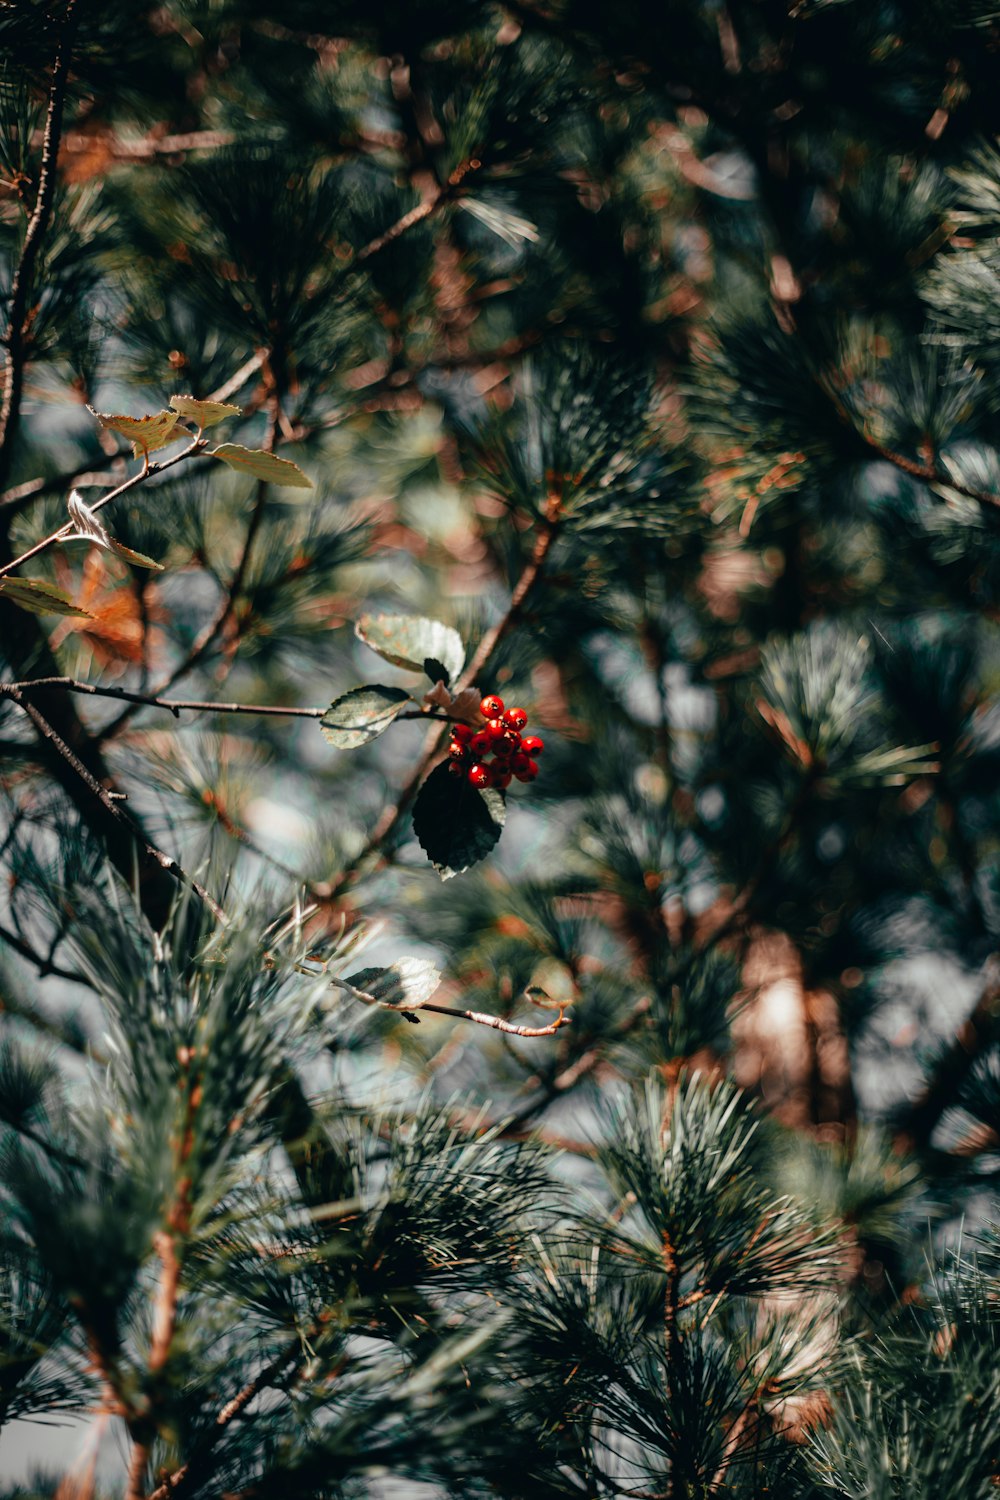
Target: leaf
<point>205,413</point>
<point>90,529</point>
<point>137,559</point>
<point>261,465</point>
<point>404,985</point>
<point>146,434</point>
<point>412,641</point>
<point>40,598</point>
<point>362,715</point>
<point>437,671</point>
<point>456,824</point>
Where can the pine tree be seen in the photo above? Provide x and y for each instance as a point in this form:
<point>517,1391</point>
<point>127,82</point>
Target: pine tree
<point>599,1097</point>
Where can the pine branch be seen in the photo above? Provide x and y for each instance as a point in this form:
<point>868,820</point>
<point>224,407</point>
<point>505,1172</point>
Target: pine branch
<point>110,801</point>
<point>182,1478</point>
<point>17,323</point>
<point>44,967</point>
<point>916,1123</point>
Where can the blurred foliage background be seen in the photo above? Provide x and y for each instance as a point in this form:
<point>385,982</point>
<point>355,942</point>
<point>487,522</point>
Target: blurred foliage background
<point>654,350</point>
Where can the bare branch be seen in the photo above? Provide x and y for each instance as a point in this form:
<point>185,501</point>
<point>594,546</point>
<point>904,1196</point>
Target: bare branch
<point>498,1023</point>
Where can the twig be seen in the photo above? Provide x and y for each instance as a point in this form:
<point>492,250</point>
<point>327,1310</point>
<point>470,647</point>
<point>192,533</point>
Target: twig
<point>176,1482</point>
<point>17,323</point>
<point>481,1018</point>
<point>928,473</point>
<point>109,802</point>
<point>174,705</point>
<point>38,489</point>
<point>223,614</point>
<point>44,967</point>
<point>67,530</point>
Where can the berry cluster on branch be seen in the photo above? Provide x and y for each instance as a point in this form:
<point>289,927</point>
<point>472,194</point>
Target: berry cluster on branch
<point>513,755</point>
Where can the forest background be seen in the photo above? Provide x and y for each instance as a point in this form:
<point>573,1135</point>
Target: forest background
<point>620,1120</point>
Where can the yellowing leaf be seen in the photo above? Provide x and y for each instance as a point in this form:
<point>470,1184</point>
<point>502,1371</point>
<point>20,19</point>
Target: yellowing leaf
<point>146,434</point>
<point>262,465</point>
<point>205,413</point>
<point>39,598</point>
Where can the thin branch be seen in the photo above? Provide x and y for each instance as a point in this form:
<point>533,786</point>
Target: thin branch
<point>224,613</point>
<point>67,530</point>
<point>498,1023</point>
<point>110,802</point>
<point>44,968</point>
<point>38,489</point>
<point>57,1153</point>
<point>19,320</point>
<point>415,215</point>
<point>174,705</point>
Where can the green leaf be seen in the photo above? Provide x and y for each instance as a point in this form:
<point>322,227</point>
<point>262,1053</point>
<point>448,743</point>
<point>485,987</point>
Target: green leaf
<point>404,985</point>
<point>456,824</point>
<point>205,413</point>
<point>137,559</point>
<point>261,465</point>
<point>146,434</point>
<point>413,642</point>
<point>362,715</point>
<point>39,598</point>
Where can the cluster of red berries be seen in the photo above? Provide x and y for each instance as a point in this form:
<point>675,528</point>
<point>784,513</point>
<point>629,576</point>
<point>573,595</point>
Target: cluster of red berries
<point>500,737</point>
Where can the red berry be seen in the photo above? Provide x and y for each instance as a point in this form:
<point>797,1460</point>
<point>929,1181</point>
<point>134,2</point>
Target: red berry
<point>491,707</point>
<point>502,750</point>
<point>457,751</point>
<point>501,779</point>
<point>515,718</point>
<point>462,733</point>
<point>511,741</point>
<point>496,729</point>
<point>481,744</point>
<point>530,771</point>
<point>532,745</point>
<point>480,775</point>
<point>519,762</point>
<point>454,769</point>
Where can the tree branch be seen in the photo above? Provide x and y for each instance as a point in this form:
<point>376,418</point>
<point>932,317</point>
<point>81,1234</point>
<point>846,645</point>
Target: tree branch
<point>110,801</point>
<point>18,320</point>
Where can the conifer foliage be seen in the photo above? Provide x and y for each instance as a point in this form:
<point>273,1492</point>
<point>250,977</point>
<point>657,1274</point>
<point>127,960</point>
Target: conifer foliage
<point>392,393</point>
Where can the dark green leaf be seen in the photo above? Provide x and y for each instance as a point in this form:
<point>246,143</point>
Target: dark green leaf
<point>362,715</point>
<point>404,985</point>
<point>437,671</point>
<point>456,824</point>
